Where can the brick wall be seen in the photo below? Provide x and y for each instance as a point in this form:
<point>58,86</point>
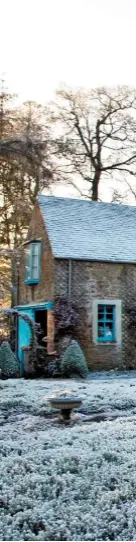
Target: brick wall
<point>103,281</point>
<point>44,291</point>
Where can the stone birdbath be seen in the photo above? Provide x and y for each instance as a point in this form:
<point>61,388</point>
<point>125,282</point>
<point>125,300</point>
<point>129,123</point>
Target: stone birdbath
<point>65,403</point>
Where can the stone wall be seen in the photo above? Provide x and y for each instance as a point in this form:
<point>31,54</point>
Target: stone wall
<point>92,281</point>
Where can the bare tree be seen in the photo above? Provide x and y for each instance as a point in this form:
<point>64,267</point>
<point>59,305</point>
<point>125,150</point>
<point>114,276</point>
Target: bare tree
<point>28,148</point>
<point>97,136</point>
<point>25,165</point>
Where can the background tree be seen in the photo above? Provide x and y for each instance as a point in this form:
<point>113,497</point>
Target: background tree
<point>5,279</point>
<point>25,168</point>
<point>97,137</point>
<point>24,165</point>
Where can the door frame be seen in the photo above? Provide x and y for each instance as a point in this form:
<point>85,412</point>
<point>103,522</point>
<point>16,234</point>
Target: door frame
<point>47,306</point>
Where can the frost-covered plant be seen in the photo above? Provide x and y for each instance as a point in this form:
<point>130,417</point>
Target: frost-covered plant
<point>68,317</point>
<point>9,365</point>
<point>70,483</point>
<point>73,361</point>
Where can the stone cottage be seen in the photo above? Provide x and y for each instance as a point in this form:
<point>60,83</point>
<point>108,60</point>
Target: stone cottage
<point>87,251</point>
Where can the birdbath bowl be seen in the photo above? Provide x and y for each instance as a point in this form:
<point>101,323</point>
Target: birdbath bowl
<point>65,405</point>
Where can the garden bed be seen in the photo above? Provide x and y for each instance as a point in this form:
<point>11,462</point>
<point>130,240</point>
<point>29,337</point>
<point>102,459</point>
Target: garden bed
<point>68,483</point>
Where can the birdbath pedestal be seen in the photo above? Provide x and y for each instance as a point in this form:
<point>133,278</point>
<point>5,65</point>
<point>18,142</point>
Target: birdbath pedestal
<point>65,405</point>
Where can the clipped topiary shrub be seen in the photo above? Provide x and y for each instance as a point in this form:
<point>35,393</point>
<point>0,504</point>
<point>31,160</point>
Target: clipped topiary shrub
<point>73,361</point>
<point>9,365</point>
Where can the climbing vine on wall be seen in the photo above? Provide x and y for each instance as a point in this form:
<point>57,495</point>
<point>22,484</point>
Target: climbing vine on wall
<point>69,317</point>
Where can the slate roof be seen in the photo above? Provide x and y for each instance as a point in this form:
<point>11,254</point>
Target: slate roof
<point>84,230</point>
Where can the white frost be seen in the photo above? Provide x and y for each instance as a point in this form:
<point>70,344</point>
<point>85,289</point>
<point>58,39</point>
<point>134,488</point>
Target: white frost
<point>73,482</point>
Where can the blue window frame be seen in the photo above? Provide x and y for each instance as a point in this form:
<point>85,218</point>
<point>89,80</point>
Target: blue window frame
<point>106,323</point>
<point>32,262</point>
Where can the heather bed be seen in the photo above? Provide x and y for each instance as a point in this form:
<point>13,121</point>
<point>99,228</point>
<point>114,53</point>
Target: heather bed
<point>67,483</point>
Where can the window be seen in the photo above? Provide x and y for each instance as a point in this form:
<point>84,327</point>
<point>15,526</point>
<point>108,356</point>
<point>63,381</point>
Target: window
<point>32,262</point>
<point>106,321</point>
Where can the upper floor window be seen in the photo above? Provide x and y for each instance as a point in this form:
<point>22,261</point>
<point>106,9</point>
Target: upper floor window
<point>32,262</point>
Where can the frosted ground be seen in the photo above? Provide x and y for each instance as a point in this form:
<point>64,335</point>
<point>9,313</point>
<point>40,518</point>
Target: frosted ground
<point>68,483</point>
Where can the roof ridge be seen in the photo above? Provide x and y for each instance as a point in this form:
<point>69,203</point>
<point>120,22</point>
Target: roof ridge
<point>105,203</point>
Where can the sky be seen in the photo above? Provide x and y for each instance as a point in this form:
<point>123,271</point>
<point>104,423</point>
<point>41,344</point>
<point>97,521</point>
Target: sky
<point>46,43</point>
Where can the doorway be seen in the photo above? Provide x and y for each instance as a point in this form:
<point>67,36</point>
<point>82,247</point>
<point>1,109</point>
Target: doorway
<point>41,319</point>
<point>39,314</point>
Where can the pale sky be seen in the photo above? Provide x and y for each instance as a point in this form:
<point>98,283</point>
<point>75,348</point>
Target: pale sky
<point>45,43</point>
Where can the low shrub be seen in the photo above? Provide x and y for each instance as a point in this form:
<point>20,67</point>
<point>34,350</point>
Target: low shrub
<point>73,361</point>
<point>42,364</point>
<point>9,365</point>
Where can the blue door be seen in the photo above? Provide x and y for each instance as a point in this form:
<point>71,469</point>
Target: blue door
<point>24,335</point>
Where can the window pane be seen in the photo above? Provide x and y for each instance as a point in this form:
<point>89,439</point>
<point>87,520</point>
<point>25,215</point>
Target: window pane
<point>101,308</point>
<point>34,260</point>
<point>100,311</point>
<point>35,272</point>
<point>27,263</point>
<point>100,330</point>
<point>109,310</point>
<point>109,331</point>
<point>35,265</point>
<point>36,248</point>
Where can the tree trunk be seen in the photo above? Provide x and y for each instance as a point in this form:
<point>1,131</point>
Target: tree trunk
<point>95,185</point>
